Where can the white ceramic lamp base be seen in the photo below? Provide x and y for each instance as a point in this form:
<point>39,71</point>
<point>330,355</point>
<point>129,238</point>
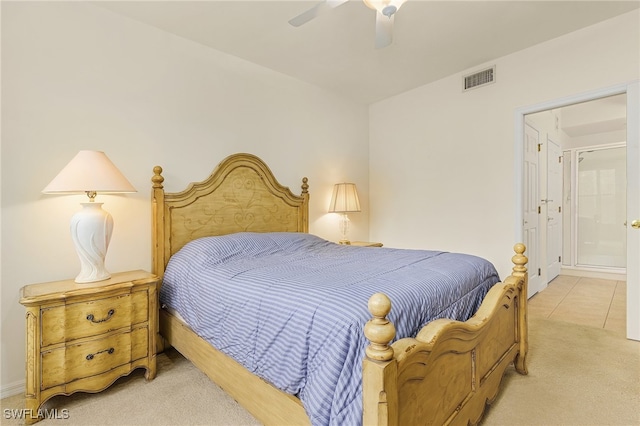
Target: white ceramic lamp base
<point>91,230</point>
<point>345,224</point>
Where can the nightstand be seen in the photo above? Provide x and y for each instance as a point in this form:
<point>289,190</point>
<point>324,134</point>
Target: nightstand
<point>82,337</point>
<point>365,244</point>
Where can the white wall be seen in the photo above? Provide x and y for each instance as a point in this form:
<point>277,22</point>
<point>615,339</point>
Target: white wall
<point>75,76</point>
<point>447,179</point>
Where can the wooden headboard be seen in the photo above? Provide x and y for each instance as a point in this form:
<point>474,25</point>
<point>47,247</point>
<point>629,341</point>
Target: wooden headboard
<point>240,195</point>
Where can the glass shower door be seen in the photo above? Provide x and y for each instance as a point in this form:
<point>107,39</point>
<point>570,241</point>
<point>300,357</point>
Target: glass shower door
<point>601,208</point>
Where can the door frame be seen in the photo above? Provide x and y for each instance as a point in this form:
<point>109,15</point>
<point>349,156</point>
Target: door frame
<point>632,90</point>
<point>558,214</point>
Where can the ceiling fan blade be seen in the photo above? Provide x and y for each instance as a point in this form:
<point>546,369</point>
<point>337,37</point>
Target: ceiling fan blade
<point>305,17</point>
<point>384,30</point>
<point>315,11</point>
<point>335,3</point>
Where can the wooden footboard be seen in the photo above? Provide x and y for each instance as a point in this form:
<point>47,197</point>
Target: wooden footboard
<point>451,370</point>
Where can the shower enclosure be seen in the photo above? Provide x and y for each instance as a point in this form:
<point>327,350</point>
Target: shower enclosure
<point>594,218</point>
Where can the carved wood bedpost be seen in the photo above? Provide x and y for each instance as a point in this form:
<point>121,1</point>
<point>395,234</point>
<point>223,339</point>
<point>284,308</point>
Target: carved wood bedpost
<point>157,221</point>
<point>305,210</point>
<point>520,272</point>
<point>379,368</point>
<point>157,240</point>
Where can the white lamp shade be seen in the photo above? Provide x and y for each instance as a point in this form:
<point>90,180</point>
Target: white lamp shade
<point>89,171</point>
<point>344,198</point>
<point>91,228</point>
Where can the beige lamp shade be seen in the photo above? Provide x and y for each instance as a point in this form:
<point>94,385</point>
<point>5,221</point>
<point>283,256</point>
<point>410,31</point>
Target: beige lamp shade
<point>344,198</point>
<point>89,171</point>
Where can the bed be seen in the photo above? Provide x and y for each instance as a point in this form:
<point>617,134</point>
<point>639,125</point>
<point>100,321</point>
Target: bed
<point>443,372</point>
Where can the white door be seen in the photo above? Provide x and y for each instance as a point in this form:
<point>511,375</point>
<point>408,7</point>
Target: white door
<point>531,207</point>
<point>633,211</point>
<point>553,205</point>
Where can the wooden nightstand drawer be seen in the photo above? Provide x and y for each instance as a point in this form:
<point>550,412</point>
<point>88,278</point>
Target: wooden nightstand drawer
<point>82,337</point>
<point>64,323</point>
<point>93,357</point>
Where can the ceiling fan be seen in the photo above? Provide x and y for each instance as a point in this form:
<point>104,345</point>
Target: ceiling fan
<point>386,10</point>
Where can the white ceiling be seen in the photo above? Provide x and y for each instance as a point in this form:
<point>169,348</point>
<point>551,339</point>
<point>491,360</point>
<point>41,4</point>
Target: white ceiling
<point>335,51</point>
<point>598,116</point>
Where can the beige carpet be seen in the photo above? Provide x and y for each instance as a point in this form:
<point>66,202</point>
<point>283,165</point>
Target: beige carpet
<point>577,376</point>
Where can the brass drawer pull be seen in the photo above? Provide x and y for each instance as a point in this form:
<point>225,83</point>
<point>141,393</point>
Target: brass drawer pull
<point>91,318</point>
<point>90,356</point>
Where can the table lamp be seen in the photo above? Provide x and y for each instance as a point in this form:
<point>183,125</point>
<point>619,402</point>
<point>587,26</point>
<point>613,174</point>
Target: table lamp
<point>344,200</point>
<point>91,228</point>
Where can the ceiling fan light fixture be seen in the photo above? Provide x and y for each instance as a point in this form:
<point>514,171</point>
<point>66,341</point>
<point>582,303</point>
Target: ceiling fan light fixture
<point>386,7</point>
<point>385,13</point>
<point>389,10</point>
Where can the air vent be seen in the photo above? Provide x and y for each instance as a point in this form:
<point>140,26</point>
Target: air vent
<point>479,78</point>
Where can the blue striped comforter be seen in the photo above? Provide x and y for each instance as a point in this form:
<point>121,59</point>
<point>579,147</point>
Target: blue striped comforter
<point>291,307</point>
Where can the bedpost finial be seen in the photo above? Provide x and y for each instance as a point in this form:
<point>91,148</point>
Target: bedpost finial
<point>305,185</point>
<point>379,305</point>
<point>379,330</point>
<point>519,259</point>
<point>157,178</point>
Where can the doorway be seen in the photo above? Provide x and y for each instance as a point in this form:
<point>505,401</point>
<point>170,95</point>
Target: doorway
<point>579,197</point>
<point>632,133</point>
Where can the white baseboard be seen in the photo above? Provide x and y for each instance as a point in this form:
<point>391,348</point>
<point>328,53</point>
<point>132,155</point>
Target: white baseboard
<point>12,389</point>
<point>600,274</point>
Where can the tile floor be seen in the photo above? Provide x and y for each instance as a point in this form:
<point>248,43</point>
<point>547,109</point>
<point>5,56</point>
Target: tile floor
<point>587,301</point>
